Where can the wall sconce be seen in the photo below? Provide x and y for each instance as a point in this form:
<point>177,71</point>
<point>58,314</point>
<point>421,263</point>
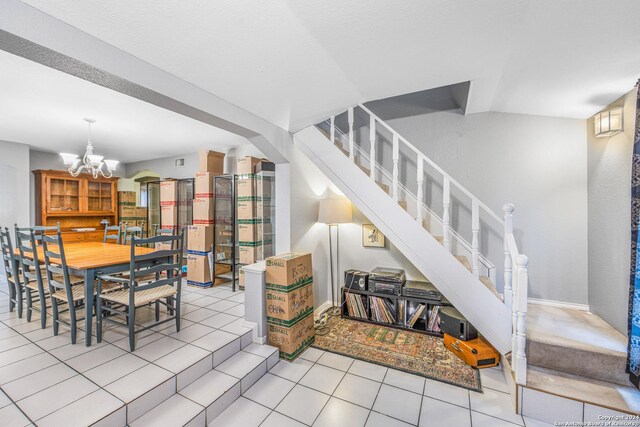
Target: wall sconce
<point>608,122</point>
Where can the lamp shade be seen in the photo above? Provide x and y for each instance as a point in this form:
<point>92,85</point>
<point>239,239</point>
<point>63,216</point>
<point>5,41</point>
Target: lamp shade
<point>608,122</point>
<point>335,211</point>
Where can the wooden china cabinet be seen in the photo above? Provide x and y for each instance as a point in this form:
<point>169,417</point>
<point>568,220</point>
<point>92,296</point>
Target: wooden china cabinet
<point>77,203</point>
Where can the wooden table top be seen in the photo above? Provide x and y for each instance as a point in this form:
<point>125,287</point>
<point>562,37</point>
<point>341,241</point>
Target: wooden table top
<point>86,255</point>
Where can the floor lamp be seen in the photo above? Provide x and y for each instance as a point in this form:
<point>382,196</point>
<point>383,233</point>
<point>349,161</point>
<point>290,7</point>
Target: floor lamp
<point>334,212</point>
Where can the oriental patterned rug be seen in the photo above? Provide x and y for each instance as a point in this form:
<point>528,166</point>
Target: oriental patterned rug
<point>412,352</point>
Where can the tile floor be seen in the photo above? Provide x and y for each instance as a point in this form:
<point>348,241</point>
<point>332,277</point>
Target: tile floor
<point>325,389</point>
<point>45,380</point>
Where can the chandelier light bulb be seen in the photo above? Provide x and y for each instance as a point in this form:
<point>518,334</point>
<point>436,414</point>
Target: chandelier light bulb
<point>91,163</point>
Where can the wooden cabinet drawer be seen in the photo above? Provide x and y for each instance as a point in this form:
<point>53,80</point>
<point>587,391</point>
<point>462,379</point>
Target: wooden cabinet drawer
<point>94,236</point>
<point>70,237</point>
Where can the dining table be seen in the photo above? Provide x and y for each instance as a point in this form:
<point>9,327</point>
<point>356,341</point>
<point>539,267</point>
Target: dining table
<point>90,259</point>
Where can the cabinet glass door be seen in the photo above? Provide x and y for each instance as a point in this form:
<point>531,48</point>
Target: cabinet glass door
<point>99,196</point>
<point>64,195</point>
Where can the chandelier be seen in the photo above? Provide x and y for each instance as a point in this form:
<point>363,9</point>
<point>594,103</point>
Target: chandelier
<point>90,162</point>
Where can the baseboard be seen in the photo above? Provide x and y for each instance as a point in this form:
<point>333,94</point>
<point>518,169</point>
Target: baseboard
<point>254,334</point>
<point>559,304</point>
<point>321,309</point>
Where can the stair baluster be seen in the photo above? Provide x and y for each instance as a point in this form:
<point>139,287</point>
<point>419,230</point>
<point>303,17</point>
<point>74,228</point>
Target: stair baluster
<point>419,194</point>
<point>351,141</point>
<point>446,202</point>
<point>396,158</point>
<point>522,295</point>
<point>508,230</point>
<point>333,131</point>
<point>372,154</point>
<point>475,229</point>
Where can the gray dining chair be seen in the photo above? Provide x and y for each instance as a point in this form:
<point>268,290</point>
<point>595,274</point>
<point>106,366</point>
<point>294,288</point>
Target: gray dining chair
<point>162,284</point>
<point>130,232</point>
<point>36,296</point>
<point>114,236</point>
<point>10,267</point>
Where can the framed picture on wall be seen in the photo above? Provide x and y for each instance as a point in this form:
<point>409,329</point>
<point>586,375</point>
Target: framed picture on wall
<point>372,237</point>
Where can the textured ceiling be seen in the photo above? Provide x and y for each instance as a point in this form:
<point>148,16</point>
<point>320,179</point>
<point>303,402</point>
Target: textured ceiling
<point>44,108</point>
<point>293,62</point>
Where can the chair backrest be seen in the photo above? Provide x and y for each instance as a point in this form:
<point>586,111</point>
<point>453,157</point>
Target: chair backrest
<point>40,230</point>
<point>157,231</point>
<point>56,263</point>
<point>26,242</point>
<point>168,261</point>
<point>8,257</point>
<point>133,231</point>
<point>115,236</point>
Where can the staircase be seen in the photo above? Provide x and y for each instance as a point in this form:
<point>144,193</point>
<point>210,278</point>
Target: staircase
<point>456,266</point>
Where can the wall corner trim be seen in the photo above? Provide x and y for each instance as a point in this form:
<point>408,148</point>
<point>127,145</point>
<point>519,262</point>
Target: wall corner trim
<point>559,304</point>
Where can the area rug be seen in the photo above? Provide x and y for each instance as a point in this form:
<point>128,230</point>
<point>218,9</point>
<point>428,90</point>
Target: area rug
<point>412,352</point>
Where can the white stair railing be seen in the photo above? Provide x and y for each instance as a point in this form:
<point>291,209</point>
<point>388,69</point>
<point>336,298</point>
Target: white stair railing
<point>515,264</point>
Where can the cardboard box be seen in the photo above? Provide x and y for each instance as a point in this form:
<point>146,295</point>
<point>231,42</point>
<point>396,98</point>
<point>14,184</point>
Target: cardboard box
<point>204,184</point>
<point>246,165</point>
<point>168,193</point>
<point>246,208</point>
<point>127,198</point>
<point>200,237</point>
<point>203,211</point>
<point>241,278</point>
<point>266,209</point>
<point>292,340</point>
<point>168,216</point>
<point>126,212</point>
<point>246,187</point>
<point>198,269</point>
<point>211,161</point>
<point>290,269</point>
<point>248,254</point>
<point>141,212</point>
<point>263,187</point>
<point>253,231</point>
<point>288,307</point>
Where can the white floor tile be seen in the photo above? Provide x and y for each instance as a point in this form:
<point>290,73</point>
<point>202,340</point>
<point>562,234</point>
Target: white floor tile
<point>221,305</point>
<point>138,382</point>
<point>115,369</point>
<point>335,361</point>
<point>209,388</point>
<point>175,411</point>
<point>269,390</point>
<point>398,403</point>
<point>405,381</point>
<point>242,413</point>
<point>37,381</point>
<point>338,413</point>
<point>158,349</point>
<point>497,405</point>
<point>198,315</point>
<point>482,420</point>
<point>56,397</point>
<point>358,390</point>
<point>447,392</point>
<point>214,340</point>
<point>192,333</point>
<point>236,327</point>
<point>293,371</point>
<point>241,364</point>
<point>83,412</point>
<point>530,422</point>
<point>13,342</point>
<point>184,357</point>
<point>70,351</point>
<point>380,420</point>
<point>219,320</point>
<point>312,354</point>
<point>238,310</point>
<point>20,353</point>
<point>368,370</point>
<point>303,404</point>
<point>437,413</point>
<point>12,416</point>
<point>278,420</point>
<point>94,358</point>
<point>591,414</point>
<point>25,367</point>
<point>493,379</point>
<point>261,350</point>
<point>322,378</point>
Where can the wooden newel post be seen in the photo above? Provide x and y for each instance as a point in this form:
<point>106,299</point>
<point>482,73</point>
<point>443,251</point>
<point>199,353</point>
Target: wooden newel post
<point>522,263</point>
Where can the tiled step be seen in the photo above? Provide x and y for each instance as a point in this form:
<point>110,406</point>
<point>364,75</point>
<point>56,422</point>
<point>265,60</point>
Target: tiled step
<point>551,395</point>
<point>585,345</point>
<point>175,411</point>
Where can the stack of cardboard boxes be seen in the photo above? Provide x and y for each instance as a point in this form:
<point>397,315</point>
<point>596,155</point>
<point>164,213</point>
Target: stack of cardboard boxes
<point>249,234</point>
<point>200,234</point>
<point>128,211</point>
<point>169,204</point>
<point>289,298</point>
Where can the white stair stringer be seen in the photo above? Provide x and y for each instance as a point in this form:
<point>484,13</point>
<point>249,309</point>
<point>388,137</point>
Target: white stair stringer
<point>484,310</point>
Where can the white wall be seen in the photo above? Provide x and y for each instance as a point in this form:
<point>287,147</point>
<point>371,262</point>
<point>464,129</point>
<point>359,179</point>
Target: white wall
<point>537,163</point>
<point>166,166</point>
<point>14,184</point>
<point>308,186</point>
<point>609,218</point>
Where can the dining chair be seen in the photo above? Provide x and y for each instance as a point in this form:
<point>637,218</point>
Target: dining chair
<point>164,288</point>
<point>130,232</point>
<point>64,288</point>
<point>32,282</point>
<point>115,236</point>
<point>10,267</point>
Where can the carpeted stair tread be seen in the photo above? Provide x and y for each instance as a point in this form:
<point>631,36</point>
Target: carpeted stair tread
<point>622,398</point>
<point>576,342</point>
<point>486,281</point>
<point>464,261</point>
